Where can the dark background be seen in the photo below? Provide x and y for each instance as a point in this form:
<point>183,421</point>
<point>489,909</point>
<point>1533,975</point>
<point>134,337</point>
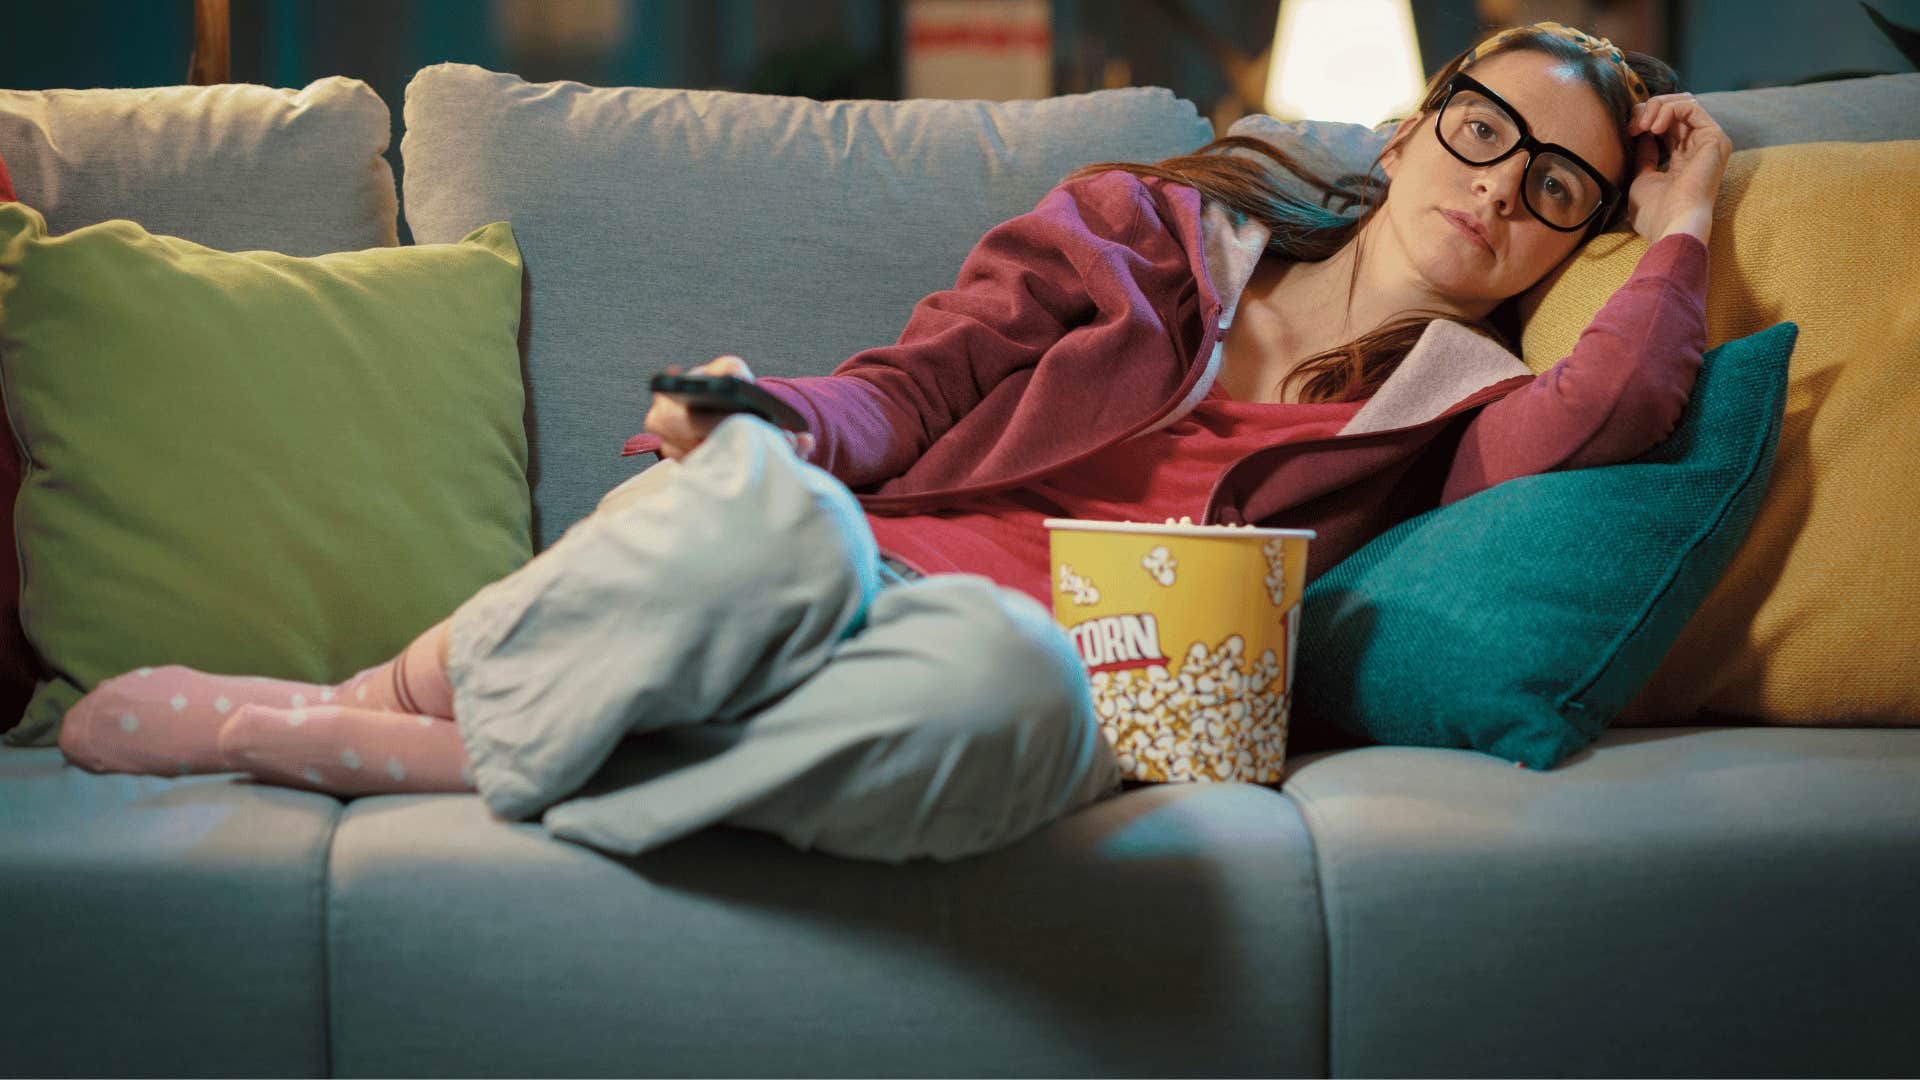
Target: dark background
<point>851,48</point>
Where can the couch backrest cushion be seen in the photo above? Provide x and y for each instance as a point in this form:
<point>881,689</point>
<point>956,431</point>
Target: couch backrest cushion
<point>236,167</point>
<point>673,226</point>
<point>1876,109</point>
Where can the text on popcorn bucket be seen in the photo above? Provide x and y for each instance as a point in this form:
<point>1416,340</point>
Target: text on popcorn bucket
<point>1118,642</point>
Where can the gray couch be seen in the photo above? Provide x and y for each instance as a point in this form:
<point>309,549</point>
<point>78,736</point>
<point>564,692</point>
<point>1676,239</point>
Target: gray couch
<point>1687,900</point>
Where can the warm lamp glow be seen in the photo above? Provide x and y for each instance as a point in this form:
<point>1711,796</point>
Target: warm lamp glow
<point>1355,61</point>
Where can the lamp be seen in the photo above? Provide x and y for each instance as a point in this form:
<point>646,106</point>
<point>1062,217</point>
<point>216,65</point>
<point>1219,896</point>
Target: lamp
<point>1354,61</point>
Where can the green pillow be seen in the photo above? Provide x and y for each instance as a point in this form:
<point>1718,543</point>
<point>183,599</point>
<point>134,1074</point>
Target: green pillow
<point>1522,620</point>
<point>254,463</point>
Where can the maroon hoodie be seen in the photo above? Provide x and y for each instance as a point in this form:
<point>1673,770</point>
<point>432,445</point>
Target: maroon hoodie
<point>1099,314</point>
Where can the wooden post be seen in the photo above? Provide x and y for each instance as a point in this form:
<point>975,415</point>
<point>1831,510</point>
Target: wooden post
<point>212,43</point>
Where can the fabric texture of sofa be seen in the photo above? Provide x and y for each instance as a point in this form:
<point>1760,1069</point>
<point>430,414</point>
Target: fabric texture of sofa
<point>1695,899</point>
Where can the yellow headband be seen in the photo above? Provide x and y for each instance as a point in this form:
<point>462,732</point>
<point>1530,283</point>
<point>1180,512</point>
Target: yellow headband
<point>1598,46</point>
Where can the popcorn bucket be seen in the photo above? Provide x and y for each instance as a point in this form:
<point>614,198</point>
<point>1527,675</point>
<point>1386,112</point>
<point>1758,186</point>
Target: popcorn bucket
<point>1188,635</point>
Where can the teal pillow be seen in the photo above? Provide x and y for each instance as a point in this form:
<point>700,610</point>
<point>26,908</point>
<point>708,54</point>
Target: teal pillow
<point>1522,620</point>
<point>251,463</point>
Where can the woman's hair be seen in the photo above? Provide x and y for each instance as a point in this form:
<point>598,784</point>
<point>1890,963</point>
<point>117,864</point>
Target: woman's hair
<point>1304,231</point>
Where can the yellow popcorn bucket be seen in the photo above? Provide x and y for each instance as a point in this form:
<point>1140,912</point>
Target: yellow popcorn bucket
<point>1188,635</point>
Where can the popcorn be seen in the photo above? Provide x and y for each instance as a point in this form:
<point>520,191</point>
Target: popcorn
<point>1083,591</point>
<point>1275,551</point>
<point>1215,717</point>
<point>1160,565</point>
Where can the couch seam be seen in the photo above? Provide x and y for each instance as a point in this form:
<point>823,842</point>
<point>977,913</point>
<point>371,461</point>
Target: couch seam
<point>1326,926</point>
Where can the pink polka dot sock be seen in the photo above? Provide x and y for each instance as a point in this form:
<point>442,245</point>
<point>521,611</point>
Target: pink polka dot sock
<point>166,720</point>
<point>343,750</point>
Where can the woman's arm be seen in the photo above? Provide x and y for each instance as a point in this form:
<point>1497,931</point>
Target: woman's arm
<point>1616,395</point>
<point>1073,261</point>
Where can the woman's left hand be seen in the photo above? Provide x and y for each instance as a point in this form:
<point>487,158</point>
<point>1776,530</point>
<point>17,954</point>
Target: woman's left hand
<point>1679,197</point>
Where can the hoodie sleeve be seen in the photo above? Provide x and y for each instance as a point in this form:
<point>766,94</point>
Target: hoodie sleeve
<point>1615,396</point>
<point>1025,285</point>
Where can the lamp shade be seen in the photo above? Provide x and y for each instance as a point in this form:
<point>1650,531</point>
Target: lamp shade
<point>1351,61</point>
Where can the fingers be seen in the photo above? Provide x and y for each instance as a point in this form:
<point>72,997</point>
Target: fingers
<point>1677,125</point>
<point>1646,156</point>
<point>1656,114</point>
<point>801,442</point>
<point>726,365</point>
<point>680,428</point>
<point>1678,113</point>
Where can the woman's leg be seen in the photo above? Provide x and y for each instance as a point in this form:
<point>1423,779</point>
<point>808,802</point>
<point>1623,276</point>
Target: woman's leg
<point>701,557</point>
<point>695,599</point>
<point>167,720</point>
<point>959,720</point>
<point>342,750</point>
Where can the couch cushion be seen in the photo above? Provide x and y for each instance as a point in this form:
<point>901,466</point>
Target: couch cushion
<point>254,463</point>
<point>237,167</point>
<point>1169,931</point>
<point>160,927</point>
<point>1562,591</point>
<point>673,226</point>
<point>1813,622</point>
<point>1681,902</point>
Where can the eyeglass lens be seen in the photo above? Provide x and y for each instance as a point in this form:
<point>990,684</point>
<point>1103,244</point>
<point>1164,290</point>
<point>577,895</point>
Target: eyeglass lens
<point>1559,191</point>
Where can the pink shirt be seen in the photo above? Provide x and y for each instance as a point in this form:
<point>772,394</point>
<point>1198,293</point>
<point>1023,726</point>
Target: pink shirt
<point>1169,473</point>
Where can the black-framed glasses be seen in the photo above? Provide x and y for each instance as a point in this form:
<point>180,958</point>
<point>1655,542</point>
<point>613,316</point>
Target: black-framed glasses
<point>1560,189</point>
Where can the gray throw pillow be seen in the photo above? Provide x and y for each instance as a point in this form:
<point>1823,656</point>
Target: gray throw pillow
<point>1327,149</point>
<point>673,226</point>
<point>235,167</point>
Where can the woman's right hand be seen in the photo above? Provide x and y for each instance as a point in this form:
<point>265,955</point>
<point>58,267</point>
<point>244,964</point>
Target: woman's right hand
<point>681,429</point>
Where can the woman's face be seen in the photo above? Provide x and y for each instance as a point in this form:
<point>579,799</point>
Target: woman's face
<point>1558,107</point>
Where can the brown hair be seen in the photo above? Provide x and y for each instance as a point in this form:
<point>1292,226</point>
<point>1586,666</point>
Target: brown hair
<point>1304,231</point>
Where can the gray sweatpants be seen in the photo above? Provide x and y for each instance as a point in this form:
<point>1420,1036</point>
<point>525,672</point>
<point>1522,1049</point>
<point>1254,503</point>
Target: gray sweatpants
<point>731,610</point>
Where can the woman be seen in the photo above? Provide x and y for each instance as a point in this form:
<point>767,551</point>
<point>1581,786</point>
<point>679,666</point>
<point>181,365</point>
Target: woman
<point>1149,342</point>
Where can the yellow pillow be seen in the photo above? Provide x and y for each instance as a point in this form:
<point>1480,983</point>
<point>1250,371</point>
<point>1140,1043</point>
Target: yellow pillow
<point>1817,621</point>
